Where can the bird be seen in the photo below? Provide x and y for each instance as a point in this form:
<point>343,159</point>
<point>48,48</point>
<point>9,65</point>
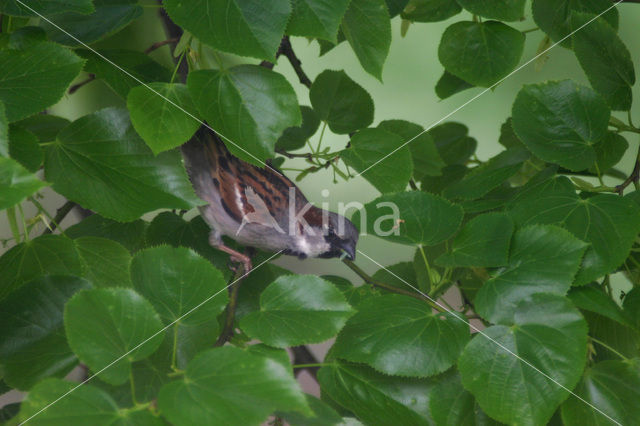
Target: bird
<point>260,207</point>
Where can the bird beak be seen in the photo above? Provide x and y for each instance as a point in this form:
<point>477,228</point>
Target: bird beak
<point>349,249</point>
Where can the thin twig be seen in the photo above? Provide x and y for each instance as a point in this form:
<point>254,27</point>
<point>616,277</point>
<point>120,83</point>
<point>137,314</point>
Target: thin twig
<point>159,44</point>
<point>370,280</point>
<point>634,177</point>
<point>75,87</point>
<point>59,217</point>
<point>302,355</point>
<point>287,50</point>
<point>227,331</point>
<point>267,64</point>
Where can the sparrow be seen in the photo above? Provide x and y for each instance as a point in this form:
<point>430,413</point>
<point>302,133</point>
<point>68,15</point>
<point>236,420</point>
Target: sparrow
<point>260,207</point>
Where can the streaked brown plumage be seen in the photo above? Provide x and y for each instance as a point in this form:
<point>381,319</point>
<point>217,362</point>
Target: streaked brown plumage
<point>259,207</point>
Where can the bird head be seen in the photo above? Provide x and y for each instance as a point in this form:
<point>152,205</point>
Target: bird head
<point>342,237</point>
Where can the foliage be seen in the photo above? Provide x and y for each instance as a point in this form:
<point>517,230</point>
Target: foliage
<point>528,238</point>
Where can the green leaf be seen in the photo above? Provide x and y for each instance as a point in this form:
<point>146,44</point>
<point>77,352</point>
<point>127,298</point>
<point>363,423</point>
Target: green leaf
<point>48,254</point>
<point>451,404</point>
<point>631,304</point>
<point>16,183</point>
<point>370,153</point>
<point>376,398</point>
<point>106,261</point>
<point>4,132</point>
<point>508,137</point>
<point>24,148</point>
<point>103,325</point>
<point>160,118</point>
<point>297,310</point>
<point>425,156</point>
<point>401,336</point>
<point>169,228</point>
<point>109,17</point>
<point>87,402</point>
<point>249,105</point>
<point>295,137</point>
<point>44,126</point>
<point>453,142</point>
<point>501,10</point>
<point>430,10</point>
<point>450,175</point>
<point>341,102</point>
<point>396,6</point>
<point>482,242</point>
<point>554,16</point>
<point>45,7</point>
<point>608,222</point>
<point>448,85</point>
<point>560,122</point>
<point>323,414</point>
<point>397,275</point>
<point>623,340</point>
<point>480,53</point>
<point>35,78</point>
<point>213,380</point>
<point>32,341</point>
<point>247,28</point>
<point>482,179</point>
<point>100,162</point>
<point>611,386</point>
<point>605,59</point>
<point>423,218</point>
<point>141,66</point>
<point>542,259</point>
<point>367,28</point>
<point>177,281</point>
<point>317,18</point>
<point>609,152</point>
<point>130,234</point>
<point>25,37</point>
<point>591,298</point>
<point>547,333</point>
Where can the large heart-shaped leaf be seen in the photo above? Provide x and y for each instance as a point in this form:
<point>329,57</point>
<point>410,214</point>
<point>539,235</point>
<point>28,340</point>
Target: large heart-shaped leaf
<point>248,28</point>
<point>317,18</point>
<point>46,127</point>
<point>164,117</point>
<point>480,53</point>
<point>605,59</point>
<point>208,393</point>
<point>374,397</point>
<point>613,387</point>
<point>129,234</point>
<point>554,16</point>
<point>482,242</point>
<point>560,122</point>
<point>296,137</point>
<point>502,10</point>
<point>401,336</point>
<point>425,156</point>
<point>542,259</point>
<point>609,222</point>
<point>453,142</point>
<point>341,102</point>
<point>521,373</point>
<point>106,261</point>
<point>177,281</point>
<point>16,183</point>
<point>111,327</point>
<point>139,65</point>
<point>296,310</point>
<point>32,341</point>
<point>34,78</point>
<point>412,218</point>
<point>48,254</point>
<point>248,105</point>
<point>100,162</point>
<point>367,28</point>
<point>371,153</point>
<point>109,17</point>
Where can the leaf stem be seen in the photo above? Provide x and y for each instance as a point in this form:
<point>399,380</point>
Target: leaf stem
<point>375,283</point>
<point>24,223</point>
<point>13,223</point>
<point>133,386</point>
<point>60,215</point>
<point>426,264</point>
<point>315,364</point>
<point>324,125</point>
<point>227,331</point>
<point>604,345</point>
<point>530,30</point>
<point>175,70</point>
<point>174,350</point>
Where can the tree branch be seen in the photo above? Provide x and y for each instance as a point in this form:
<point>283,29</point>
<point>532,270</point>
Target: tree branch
<point>370,280</point>
<point>634,177</point>
<point>159,44</point>
<point>287,50</point>
<point>227,331</point>
<point>75,87</point>
<point>302,355</point>
<point>59,217</point>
